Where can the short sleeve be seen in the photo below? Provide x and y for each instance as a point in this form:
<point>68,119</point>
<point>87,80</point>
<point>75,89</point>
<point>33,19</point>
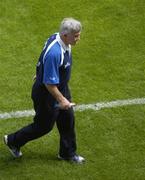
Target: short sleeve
<point>51,68</point>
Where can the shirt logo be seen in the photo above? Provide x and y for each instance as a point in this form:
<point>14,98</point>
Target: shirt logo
<point>66,65</point>
<point>52,78</point>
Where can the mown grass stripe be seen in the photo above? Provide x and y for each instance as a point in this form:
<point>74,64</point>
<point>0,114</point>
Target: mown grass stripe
<point>83,107</point>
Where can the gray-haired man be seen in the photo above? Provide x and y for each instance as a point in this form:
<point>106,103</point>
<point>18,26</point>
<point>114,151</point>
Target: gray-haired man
<point>51,95</point>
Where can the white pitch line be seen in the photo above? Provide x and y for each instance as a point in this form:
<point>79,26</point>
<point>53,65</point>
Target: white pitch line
<point>83,107</point>
<point>111,104</point>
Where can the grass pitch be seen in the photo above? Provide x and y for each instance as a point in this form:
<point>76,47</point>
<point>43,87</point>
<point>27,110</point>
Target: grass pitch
<point>109,64</point>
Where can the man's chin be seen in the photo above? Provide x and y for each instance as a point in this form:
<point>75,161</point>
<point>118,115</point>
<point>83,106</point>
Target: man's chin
<point>74,43</point>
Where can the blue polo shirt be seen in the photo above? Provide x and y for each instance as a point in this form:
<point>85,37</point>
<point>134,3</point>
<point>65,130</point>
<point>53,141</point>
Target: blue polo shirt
<point>54,64</point>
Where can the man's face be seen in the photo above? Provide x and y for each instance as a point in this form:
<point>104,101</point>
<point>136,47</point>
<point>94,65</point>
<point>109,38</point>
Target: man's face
<point>73,38</point>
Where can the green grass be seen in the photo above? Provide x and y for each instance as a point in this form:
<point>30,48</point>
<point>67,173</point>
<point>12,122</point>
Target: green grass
<point>109,64</point>
<point>112,141</point>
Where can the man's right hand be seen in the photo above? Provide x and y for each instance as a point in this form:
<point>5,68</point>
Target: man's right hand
<point>65,104</point>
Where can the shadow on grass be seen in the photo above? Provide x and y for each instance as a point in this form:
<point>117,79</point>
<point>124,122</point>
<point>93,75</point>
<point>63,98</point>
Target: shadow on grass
<point>7,161</point>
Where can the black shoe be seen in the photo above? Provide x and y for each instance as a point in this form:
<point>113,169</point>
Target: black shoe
<point>14,150</point>
<point>76,159</point>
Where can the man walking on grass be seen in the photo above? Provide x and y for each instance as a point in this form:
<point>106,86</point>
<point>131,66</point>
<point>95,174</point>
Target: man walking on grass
<point>51,95</point>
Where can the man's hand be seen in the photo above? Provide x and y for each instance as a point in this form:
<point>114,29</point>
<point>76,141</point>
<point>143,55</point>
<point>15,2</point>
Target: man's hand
<point>65,104</point>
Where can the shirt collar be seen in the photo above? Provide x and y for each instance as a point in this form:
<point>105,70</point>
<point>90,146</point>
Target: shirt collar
<point>65,48</point>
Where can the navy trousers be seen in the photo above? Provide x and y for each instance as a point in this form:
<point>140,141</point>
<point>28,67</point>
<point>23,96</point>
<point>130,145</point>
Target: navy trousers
<point>43,123</point>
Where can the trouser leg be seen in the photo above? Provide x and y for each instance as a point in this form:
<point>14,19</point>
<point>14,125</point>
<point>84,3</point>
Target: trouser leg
<point>66,127</point>
<point>43,123</point>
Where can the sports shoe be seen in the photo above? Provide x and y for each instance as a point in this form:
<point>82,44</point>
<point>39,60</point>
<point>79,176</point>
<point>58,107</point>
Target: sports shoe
<point>14,150</point>
<point>76,159</point>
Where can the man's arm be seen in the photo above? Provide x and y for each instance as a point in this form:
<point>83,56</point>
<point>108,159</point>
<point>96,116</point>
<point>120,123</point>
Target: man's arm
<point>63,102</point>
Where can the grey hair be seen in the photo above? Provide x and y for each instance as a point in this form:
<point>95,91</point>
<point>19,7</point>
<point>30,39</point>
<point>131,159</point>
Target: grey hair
<point>70,25</point>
